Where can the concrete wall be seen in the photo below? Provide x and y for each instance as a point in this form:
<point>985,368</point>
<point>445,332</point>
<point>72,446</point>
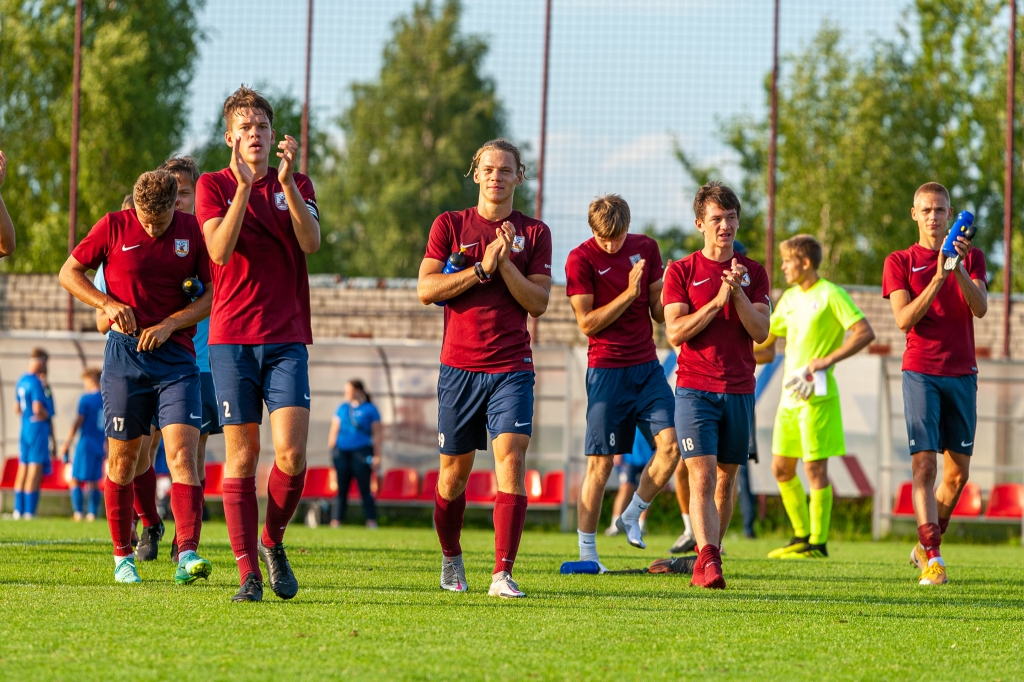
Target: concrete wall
<point>389,309</point>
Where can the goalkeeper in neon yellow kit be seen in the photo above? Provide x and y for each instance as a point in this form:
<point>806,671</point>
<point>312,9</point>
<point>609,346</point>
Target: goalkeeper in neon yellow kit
<point>813,315</point>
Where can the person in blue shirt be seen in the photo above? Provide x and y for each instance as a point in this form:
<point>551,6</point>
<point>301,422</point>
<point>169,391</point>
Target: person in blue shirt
<point>630,466</point>
<point>87,467</point>
<point>355,441</point>
<point>34,404</point>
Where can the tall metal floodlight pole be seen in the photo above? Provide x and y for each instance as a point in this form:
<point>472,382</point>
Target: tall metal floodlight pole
<point>538,211</point>
<point>76,83</point>
<point>773,116</point>
<point>1011,77</point>
<point>304,162</point>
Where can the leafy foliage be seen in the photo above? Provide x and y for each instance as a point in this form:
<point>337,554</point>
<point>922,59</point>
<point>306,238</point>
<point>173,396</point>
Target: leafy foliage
<point>137,60</point>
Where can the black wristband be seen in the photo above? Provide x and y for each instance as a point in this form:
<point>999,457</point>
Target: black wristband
<point>480,273</point>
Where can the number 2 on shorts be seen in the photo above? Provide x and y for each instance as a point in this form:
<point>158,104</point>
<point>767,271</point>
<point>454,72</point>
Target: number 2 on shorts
<point>227,410</point>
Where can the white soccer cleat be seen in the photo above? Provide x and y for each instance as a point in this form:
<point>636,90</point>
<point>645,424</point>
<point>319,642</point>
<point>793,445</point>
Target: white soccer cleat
<point>634,535</point>
<point>502,585</point>
<point>16,515</point>
<point>611,531</point>
<point>453,574</point>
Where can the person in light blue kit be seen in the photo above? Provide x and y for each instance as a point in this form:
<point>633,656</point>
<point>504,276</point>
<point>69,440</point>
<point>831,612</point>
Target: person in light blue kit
<point>34,404</point>
<point>87,466</point>
<point>355,441</point>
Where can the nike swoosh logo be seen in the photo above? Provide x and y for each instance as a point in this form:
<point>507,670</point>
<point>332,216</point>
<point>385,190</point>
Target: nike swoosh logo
<point>306,396</point>
<point>523,424</point>
<point>239,558</point>
<point>466,246</point>
<point>601,272</point>
<point>964,445</point>
<point>129,248</point>
<point>205,424</point>
<point>193,416</point>
<point>918,269</point>
<point>697,284</point>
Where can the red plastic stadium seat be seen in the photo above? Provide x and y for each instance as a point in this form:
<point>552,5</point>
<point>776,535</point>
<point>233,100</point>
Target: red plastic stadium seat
<point>554,488</point>
<point>55,480</point>
<point>534,488</point>
<point>353,490</point>
<point>214,484</point>
<point>10,472</point>
<point>429,486</point>
<point>482,487</point>
<point>1006,501</point>
<point>969,505</point>
<point>904,500</point>
<point>319,484</point>
<point>400,484</point>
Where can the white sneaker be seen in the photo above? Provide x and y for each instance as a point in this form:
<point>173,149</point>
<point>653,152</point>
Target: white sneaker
<point>453,574</point>
<point>634,535</point>
<point>502,585</point>
<point>90,517</point>
<point>16,515</point>
<point>611,531</point>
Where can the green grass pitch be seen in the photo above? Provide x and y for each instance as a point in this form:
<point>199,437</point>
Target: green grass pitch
<point>369,607</point>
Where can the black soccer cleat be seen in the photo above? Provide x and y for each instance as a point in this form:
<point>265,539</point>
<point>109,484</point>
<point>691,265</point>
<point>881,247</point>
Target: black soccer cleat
<point>279,571</point>
<point>149,540</point>
<point>251,589</point>
<point>174,550</point>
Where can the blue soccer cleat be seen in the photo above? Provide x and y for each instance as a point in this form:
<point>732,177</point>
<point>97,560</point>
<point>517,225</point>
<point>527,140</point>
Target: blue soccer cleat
<point>192,567</point>
<point>124,570</point>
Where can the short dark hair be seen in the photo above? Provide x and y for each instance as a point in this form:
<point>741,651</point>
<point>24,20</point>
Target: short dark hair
<point>609,216</point>
<point>246,98</point>
<point>39,352</point>
<point>128,202</point>
<point>803,246</point>
<point>182,166</point>
<point>715,193</point>
<point>155,191</point>
<point>932,188</point>
<point>93,373</point>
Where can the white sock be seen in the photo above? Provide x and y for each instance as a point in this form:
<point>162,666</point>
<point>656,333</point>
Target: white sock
<point>614,519</point>
<point>118,560</point>
<point>937,559</point>
<point>643,524</point>
<point>635,508</point>
<point>588,546</point>
<point>687,524</point>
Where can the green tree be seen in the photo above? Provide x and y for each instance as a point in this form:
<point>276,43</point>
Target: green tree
<point>137,60</point>
<point>409,137</point>
<point>857,135</point>
<point>215,154</point>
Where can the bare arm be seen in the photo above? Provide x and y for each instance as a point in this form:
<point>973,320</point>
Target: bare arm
<point>71,436</point>
<point>531,292</point>
<point>754,316</point>
<point>975,291</point>
<point>654,300</point>
<point>377,430</point>
<point>39,411</point>
<point>72,278</point>
<point>434,286</point>
<point>593,321</point>
<point>861,334</point>
<point>681,325</point>
<point>153,337</point>
<point>909,312</point>
<point>7,238</point>
<point>307,228</point>
<point>221,234</point>
<point>332,433</point>
<point>102,323</point>
<point>764,352</point>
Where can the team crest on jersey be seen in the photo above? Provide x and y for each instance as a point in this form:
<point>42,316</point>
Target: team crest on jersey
<point>281,201</point>
<point>745,282</point>
<point>634,259</point>
<point>815,305</point>
<point>518,243</point>
<point>181,247</point>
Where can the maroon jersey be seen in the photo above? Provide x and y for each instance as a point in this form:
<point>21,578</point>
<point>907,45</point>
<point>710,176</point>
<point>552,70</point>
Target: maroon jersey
<point>720,358</point>
<point>629,340</point>
<point>147,273</point>
<point>942,342</point>
<point>262,294</point>
<point>485,327</point>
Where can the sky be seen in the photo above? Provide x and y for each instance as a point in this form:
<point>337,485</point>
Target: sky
<point>627,80</point>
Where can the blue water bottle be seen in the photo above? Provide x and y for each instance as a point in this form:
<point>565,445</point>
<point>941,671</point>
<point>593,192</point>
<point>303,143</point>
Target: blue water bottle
<point>456,263</point>
<point>963,227</point>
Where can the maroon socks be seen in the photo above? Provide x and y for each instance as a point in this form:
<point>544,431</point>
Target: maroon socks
<point>285,492</point>
<point>448,517</point>
<point>242,516</point>
<point>187,506</point>
<point>118,500</point>
<point>943,525</point>
<point>930,536</point>
<point>145,498</point>
<point>509,519</point>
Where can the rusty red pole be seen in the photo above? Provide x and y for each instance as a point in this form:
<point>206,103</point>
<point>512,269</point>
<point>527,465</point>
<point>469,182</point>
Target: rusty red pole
<point>538,211</point>
<point>76,87</point>
<point>1011,77</point>
<point>773,117</point>
<point>304,162</point>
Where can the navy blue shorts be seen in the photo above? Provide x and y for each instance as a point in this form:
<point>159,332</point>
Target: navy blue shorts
<point>138,386</point>
<point>246,376</point>
<point>630,474</point>
<point>714,424</point>
<point>622,399</point>
<point>471,404</point>
<point>211,421</point>
<point>941,412</point>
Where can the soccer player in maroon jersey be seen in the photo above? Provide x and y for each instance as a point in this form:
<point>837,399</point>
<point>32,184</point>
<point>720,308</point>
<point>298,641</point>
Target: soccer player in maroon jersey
<point>613,281</point>
<point>260,222</point>
<point>149,366</point>
<point>487,378</point>
<point>716,307</point>
<point>7,239</point>
<point>940,374</point>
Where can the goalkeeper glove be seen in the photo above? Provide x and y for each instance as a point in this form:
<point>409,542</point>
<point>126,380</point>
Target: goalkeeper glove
<point>800,383</point>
